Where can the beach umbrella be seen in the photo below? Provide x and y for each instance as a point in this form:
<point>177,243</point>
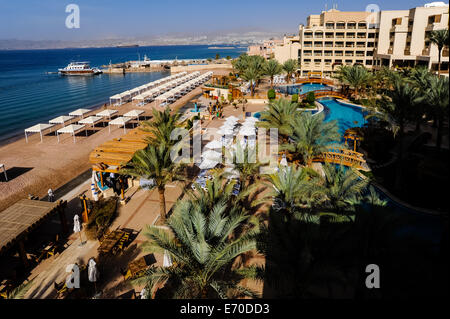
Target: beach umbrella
<point>93,272</point>
<point>214,144</point>
<point>77,227</point>
<point>228,125</point>
<point>210,154</point>
<point>283,161</point>
<point>94,192</point>
<point>225,131</point>
<point>208,164</point>
<point>232,117</point>
<point>247,131</point>
<point>167,260</point>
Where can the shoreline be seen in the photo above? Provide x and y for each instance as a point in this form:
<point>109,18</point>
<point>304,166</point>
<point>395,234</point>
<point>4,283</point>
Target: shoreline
<point>34,167</point>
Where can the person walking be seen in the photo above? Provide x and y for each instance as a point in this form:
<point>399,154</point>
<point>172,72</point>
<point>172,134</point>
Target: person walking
<point>51,196</point>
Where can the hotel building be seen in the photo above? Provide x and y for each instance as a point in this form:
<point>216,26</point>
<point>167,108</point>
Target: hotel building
<point>387,38</point>
<point>266,50</point>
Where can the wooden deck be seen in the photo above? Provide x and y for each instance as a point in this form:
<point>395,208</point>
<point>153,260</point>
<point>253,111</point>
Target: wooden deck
<point>325,93</point>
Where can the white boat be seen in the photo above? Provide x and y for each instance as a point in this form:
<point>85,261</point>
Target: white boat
<point>79,68</point>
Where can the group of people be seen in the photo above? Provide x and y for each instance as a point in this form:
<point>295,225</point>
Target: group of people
<point>215,109</point>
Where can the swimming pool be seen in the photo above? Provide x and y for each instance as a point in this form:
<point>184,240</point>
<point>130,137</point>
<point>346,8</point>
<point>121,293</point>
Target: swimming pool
<point>347,115</point>
<point>302,88</point>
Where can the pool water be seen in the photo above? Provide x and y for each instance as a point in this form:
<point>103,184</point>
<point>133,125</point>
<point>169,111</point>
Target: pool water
<point>302,88</point>
<point>347,116</point>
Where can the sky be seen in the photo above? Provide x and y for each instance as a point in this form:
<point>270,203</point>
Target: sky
<point>103,19</point>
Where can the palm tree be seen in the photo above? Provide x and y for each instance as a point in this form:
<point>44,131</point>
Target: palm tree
<point>420,77</point>
<point>290,189</point>
<point>340,190</point>
<point>312,136</point>
<point>162,126</point>
<point>290,66</point>
<point>240,64</point>
<point>396,107</point>
<point>441,39</point>
<point>279,114</point>
<point>272,68</point>
<point>247,165</point>
<point>253,75</point>
<point>155,163</point>
<point>356,77</point>
<point>204,248</point>
<point>438,98</point>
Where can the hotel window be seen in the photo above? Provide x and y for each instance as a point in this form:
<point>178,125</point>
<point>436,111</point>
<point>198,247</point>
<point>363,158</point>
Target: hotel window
<point>368,62</point>
<point>360,44</point>
<point>349,44</point>
<point>329,25</point>
<point>318,34</point>
<point>329,35</point>
<point>327,61</point>
<point>348,61</point>
<point>307,53</point>
<point>361,35</point>
<point>351,25</point>
<point>371,35</point>
<point>340,25</point>
<point>359,61</point>
<point>308,44</point>
<point>359,53</point>
<point>338,61</point>
<point>396,21</point>
<point>369,53</point>
<point>317,61</point>
<point>339,53</point>
<point>349,53</point>
<point>328,53</point>
<point>340,35</point>
<point>339,44</point>
<point>362,25</point>
<point>318,44</point>
<point>318,53</point>
<point>328,44</point>
<point>410,23</point>
<point>308,35</point>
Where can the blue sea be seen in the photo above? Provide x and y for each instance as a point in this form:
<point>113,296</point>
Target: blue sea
<point>28,95</point>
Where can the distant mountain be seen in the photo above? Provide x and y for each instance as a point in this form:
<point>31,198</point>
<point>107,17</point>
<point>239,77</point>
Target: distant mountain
<point>231,37</point>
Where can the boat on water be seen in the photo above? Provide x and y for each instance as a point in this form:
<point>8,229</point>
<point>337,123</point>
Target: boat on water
<point>79,68</point>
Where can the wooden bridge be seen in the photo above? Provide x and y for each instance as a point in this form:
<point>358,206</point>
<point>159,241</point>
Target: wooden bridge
<point>344,157</point>
<point>325,93</point>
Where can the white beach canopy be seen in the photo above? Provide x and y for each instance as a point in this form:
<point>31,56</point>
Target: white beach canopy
<point>107,113</point>
<point>79,112</point>
<point>91,120</point>
<point>247,131</point>
<point>39,128</point>
<point>61,119</point>
<point>70,129</point>
<point>214,144</point>
<point>134,114</point>
<point>120,121</point>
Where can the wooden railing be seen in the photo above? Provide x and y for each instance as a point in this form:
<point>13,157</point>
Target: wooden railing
<point>314,80</point>
<point>323,93</point>
<point>343,156</point>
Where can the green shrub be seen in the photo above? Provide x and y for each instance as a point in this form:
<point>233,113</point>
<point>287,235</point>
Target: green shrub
<point>101,217</point>
<point>295,98</point>
<point>271,95</point>
<point>310,98</point>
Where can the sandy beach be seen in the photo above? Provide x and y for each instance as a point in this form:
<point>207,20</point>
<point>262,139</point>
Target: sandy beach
<point>34,167</point>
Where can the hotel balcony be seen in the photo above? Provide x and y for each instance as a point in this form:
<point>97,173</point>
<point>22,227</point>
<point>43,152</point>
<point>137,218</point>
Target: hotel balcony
<point>319,35</point>
<point>426,51</point>
<point>308,35</point>
<point>407,51</point>
<point>390,51</point>
<point>349,54</point>
<point>338,54</point>
<point>445,52</point>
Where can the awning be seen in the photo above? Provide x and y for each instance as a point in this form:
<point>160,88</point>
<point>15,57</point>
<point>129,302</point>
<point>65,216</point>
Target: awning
<point>70,129</point>
<point>39,128</point>
<point>61,119</point>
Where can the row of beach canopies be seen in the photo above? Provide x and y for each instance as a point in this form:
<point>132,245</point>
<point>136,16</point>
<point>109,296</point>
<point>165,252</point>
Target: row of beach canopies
<point>83,123</point>
<point>121,98</point>
<point>183,88</point>
<point>173,89</point>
